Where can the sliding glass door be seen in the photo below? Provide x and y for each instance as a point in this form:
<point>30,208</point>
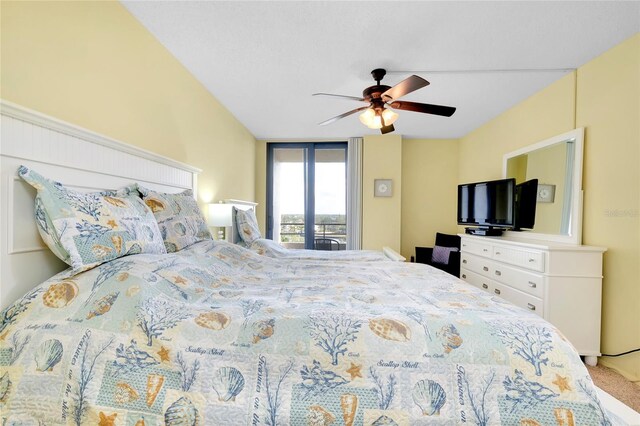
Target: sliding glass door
<point>306,195</point>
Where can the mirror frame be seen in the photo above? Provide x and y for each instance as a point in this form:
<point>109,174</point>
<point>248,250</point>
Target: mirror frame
<point>575,228</point>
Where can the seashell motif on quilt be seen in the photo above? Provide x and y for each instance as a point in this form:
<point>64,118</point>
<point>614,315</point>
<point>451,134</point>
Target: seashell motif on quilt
<point>180,228</point>
<point>60,294</point>
<point>229,293</point>
<point>450,337</point>
<point>263,329</point>
<point>564,417</point>
<point>117,202</point>
<point>213,320</point>
<point>390,329</point>
<point>100,251</point>
<point>103,305</point>
<point>124,393</point>
<point>384,421</point>
<point>117,242</point>
<point>48,354</point>
<point>132,291</point>
<point>155,205</point>
<point>366,298</point>
<point>5,387</point>
<point>349,406</point>
<point>122,276</point>
<point>228,382</point>
<point>319,416</point>
<point>429,396</point>
<point>140,422</point>
<point>181,413</point>
<point>529,422</point>
<point>154,385</point>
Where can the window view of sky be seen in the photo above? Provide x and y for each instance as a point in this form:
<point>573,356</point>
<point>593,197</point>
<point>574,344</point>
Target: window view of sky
<point>330,188</point>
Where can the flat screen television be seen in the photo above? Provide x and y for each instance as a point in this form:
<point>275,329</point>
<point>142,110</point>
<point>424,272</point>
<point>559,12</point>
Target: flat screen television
<point>487,205</point>
<point>526,201</point>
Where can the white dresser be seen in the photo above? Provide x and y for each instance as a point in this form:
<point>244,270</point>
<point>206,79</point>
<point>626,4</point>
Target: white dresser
<point>561,283</point>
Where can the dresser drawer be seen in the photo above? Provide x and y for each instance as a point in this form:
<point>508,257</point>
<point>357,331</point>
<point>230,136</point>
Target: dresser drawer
<point>529,259</point>
<point>480,265</point>
<point>477,280</point>
<point>527,282</point>
<point>476,247</point>
<point>519,298</point>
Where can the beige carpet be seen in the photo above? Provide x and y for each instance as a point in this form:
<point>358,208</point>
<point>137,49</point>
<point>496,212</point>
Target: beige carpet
<point>616,385</point>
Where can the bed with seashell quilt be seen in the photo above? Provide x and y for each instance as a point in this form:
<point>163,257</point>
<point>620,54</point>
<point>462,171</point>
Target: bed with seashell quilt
<point>152,322</point>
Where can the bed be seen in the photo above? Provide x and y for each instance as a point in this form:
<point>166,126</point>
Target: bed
<point>214,333</point>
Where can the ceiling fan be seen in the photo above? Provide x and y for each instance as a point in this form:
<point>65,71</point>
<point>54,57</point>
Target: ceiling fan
<point>379,96</point>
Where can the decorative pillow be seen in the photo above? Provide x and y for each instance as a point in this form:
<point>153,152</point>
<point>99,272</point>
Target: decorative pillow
<point>180,220</point>
<point>441,254</point>
<point>85,229</point>
<point>247,225</point>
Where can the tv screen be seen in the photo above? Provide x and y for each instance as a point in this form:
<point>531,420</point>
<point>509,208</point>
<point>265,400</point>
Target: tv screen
<point>487,203</point>
<point>526,200</point>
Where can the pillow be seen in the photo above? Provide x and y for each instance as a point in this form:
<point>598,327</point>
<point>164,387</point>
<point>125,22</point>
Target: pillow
<point>441,254</point>
<point>247,225</point>
<point>180,220</point>
<point>86,229</point>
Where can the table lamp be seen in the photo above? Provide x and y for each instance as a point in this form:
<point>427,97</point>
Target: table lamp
<point>220,216</point>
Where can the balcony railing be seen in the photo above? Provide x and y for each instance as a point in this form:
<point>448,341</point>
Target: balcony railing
<point>294,232</point>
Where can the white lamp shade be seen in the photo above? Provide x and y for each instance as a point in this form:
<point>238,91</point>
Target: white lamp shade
<point>220,214</point>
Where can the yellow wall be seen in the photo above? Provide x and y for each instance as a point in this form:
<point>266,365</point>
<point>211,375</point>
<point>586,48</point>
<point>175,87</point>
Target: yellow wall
<point>382,159</point>
<point>602,96</point>
<point>429,191</point>
<point>94,65</point>
<point>609,108</point>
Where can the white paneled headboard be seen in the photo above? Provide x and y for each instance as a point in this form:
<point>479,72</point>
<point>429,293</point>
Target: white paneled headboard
<point>80,159</point>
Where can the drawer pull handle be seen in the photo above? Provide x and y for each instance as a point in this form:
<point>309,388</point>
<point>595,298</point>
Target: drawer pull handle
<point>464,260</point>
<point>498,273</point>
<point>485,250</point>
<point>532,284</point>
<point>531,260</point>
<point>464,245</point>
<point>531,307</point>
<point>485,268</point>
<point>464,275</point>
<point>496,291</point>
<point>484,286</point>
<point>498,253</point>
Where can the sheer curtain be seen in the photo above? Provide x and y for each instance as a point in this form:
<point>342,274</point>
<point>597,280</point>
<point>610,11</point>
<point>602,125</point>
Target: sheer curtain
<point>354,193</point>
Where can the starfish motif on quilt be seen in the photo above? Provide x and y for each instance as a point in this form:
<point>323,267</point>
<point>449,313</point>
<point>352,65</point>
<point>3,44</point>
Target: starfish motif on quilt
<point>354,371</point>
<point>163,353</point>
<point>562,383</point>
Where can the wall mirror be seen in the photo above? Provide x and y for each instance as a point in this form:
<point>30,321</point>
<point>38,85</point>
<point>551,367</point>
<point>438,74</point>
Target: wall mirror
<point>557,164</point>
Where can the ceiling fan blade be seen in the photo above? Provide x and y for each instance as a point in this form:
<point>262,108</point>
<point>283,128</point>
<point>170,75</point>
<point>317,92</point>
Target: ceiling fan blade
<point>338,117</point>
<point>407,85</point>
<point>352,98</point>
<point>446,111</point>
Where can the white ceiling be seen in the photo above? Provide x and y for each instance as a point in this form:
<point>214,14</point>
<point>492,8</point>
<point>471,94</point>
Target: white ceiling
<point>264,59</point>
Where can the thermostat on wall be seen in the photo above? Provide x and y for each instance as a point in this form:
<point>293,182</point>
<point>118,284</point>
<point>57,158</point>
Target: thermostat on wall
<point>546,193</point>
<point>383,188</point>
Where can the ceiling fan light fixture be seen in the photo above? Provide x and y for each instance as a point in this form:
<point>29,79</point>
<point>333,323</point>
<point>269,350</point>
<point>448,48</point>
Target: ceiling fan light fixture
<point>370,119</point>
<point>389,117</point>
<point>373,119</point>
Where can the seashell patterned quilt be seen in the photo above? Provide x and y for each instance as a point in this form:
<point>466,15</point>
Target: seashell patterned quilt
<point>216,334</point>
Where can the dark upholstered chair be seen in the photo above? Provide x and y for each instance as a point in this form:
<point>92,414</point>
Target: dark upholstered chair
<point>327,244</point>
<point>442,256</point>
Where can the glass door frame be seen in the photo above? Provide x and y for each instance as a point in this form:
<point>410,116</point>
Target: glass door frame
<point>309,183</point>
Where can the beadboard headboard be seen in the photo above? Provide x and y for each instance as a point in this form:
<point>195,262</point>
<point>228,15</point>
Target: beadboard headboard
<point>78,158</point>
